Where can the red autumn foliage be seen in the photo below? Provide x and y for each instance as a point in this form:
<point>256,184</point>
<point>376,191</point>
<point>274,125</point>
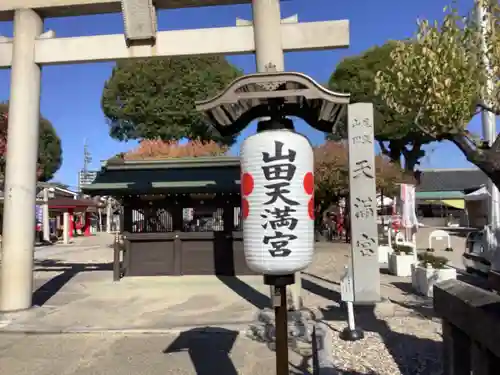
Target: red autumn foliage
<point>157,149</point>
<point>332,172</point>
<point>3,133</point>
<point>4,121</point>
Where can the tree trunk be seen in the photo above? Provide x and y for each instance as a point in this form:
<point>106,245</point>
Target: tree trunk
<point>487,159</point>
<point>396,148</point>
<point>412,156</point>
<point>393,152</point>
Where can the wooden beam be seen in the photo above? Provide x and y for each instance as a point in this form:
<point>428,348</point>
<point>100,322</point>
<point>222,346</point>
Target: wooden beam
<point>64,8</point>
<point>210,41</point>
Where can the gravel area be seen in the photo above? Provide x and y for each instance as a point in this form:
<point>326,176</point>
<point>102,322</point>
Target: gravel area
<point>398,345</point>
<point>401,337</point>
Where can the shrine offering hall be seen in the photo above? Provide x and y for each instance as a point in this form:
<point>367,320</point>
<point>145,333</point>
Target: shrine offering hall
<point>178,216</point>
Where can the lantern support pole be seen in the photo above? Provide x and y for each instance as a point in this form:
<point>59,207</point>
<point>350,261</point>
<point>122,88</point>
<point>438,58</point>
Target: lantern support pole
<point>278,284</point>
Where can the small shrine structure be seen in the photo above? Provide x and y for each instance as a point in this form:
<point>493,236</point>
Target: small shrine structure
<point>179,216</point>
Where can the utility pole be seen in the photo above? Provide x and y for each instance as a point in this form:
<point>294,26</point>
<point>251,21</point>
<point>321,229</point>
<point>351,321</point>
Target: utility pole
<point>488,120</point>
<point>87,159</point>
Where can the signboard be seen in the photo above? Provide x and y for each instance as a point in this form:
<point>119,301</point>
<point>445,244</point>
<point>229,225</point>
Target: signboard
<point>346,286</point>
<point>363,203</point>
<point>277,189</point>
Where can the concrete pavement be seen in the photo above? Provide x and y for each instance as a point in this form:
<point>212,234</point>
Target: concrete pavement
<point>153,325</point>
<point>87,324</point>
<point>191,352</point>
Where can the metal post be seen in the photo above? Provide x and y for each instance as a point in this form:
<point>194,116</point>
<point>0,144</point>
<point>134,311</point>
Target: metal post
<point>351,324</point>
<point>278,298</point>
<point>269,56</point>
<point>20,176</point>
<point>489,129</point>
<point>280,311</point>
<point>46,220</point>
<point>350,333</point>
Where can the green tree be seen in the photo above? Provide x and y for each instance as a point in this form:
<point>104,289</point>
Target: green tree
<point>155,98</point>
<point>394,132</point>
<point>49,147</point>
<point>439,80</point>
<point>49,151</point>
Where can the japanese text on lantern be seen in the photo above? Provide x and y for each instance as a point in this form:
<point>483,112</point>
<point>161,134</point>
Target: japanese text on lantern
<point>279,170</point>
<point>363,205</point>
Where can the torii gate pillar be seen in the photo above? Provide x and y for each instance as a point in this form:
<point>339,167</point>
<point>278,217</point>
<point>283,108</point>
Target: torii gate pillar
<point>269,56</point>
<point>20,177</point>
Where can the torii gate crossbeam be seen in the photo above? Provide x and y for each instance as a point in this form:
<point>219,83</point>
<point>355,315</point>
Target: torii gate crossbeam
<point>209,41</point>
<point>28,50</point>
<point>65,8</point>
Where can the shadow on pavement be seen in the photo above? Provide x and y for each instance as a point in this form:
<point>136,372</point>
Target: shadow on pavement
<point>320,290</point>
<point>479,280</point>
<point>209,349</point>
<point>320,278</point>
<point>68,271</point>
<point>409,352</point>
<point>420,305</point>
<point>424,305</point>
<point>246,291</point>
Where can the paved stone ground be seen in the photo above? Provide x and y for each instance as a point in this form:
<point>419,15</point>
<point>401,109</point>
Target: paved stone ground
<point>403,337</point>
<point>190,352</point>
<point>457,244</point>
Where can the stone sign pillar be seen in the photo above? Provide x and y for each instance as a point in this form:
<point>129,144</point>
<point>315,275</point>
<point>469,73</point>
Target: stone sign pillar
<point>363,204</point>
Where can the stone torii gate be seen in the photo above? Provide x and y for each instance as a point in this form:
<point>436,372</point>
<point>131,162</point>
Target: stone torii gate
<point>31,48</point>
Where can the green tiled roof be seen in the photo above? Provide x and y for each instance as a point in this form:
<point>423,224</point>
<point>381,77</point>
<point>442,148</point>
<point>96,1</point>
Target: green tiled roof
<point>186,175</point>
<point>439,195</point>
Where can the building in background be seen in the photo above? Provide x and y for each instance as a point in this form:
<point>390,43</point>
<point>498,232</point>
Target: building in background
<point>85,178</point>
<point>445,195</point>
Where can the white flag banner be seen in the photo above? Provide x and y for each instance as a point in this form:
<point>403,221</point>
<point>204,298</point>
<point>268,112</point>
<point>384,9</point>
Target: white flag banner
<point>408,202</point>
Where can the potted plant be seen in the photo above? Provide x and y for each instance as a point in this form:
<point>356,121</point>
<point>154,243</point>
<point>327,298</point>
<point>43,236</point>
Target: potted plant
<point>430,270</point>
<point>383,253</point>
<point>400,260</point>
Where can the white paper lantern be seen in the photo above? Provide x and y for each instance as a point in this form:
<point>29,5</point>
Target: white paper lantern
<point>277,193</point>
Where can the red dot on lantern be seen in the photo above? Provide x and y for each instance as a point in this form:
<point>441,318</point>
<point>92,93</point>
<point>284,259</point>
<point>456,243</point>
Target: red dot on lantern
<point>310,208</point>
<point>246,184</point>
<point>245,208</point>
<point>309,183</point>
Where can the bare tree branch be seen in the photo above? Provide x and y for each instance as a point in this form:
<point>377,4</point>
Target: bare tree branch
<point>485,107</point>
<point>495,147</point>
<point>464,144</point>
<point>417,119</point>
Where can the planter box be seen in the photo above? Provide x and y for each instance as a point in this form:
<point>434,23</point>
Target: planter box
<point>400,265</point>
<point>383,254</point>
<point>424,278</point>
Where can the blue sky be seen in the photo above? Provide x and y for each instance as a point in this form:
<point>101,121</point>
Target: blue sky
<point>71,93</point>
